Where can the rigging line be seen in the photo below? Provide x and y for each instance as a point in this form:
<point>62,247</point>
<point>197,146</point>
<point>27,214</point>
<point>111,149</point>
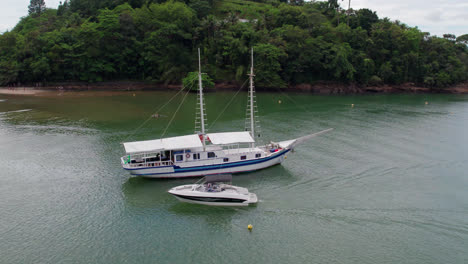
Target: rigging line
<point>287,96</point>
<point>175,113</point>
<point>232,99</point>
<point>159,110</point>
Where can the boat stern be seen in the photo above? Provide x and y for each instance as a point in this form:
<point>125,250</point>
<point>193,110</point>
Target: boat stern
<point>252,198</point>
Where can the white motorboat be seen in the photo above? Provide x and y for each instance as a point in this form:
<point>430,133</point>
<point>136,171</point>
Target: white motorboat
<point>214,190</point>
<point>205,153</point>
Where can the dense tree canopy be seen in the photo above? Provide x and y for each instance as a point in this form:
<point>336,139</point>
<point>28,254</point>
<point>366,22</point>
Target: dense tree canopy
<point>294,42</point>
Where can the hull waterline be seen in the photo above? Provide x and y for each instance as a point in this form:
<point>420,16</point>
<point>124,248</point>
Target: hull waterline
<point>219,203</point>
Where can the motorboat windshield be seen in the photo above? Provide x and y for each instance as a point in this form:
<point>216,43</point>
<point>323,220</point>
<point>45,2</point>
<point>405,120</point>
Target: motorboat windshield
<point>212,183</point>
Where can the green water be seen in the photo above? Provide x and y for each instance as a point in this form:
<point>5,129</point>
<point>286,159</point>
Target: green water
<point>388,185</point>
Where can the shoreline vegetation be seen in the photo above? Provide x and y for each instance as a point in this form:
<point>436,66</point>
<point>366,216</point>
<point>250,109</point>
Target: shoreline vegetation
<point>314,46</point>
<point>323,88</point>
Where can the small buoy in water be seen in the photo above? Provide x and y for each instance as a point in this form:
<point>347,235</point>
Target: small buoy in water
<point>285,157</point>
<point>279,101</point>
<point>249,227</point>
<point>426,103</point>
<point>133,94</point>
<point>352,105</point>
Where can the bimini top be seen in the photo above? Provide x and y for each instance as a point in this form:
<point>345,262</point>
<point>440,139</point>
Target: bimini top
<point>230,138</point>
<point>172,143</point>
<point>218,178</point>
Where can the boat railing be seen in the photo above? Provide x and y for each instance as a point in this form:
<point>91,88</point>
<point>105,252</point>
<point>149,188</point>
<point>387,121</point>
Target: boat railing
<point>149,164</point>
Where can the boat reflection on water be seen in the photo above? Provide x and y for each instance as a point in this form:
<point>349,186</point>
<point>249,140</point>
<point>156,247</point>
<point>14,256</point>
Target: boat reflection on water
<point>147,193</point>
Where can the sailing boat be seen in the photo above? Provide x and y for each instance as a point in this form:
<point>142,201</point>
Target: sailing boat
<point>202,153</point>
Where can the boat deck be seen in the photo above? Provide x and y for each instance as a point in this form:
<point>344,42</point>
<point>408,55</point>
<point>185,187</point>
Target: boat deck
<point>242,150</point>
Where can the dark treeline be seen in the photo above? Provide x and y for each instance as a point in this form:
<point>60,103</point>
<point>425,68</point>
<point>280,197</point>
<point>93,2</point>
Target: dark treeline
<point>294,42</point>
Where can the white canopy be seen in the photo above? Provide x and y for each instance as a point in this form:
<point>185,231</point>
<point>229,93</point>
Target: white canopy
<point>172,143</point>
<point>230,138</point>
<point>287,143</point>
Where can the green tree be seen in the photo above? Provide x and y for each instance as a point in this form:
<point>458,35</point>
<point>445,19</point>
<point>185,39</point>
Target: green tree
<point>8,72</point>
<point>40,68</point>
<point>36,7</point>
<point>333,4</point>
<point>364,18</point>
<point>295,42</point>
<point>463,39</point>
<point>343,69</point>
<point>168,46</point>
<point>63,8</point>
<point>9,65</point>
<point>191,81</point>
<point>202,7</point>
<point>450,37</point>
<point>267,65</point>
<point>386,71</point>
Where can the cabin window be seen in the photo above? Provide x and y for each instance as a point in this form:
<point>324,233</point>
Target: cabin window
<point>258,155</point>
<point>196,156</point>
<point>226,159</point>
<point>179,158</point>
<point>211,155</point>
<point>243,157</point>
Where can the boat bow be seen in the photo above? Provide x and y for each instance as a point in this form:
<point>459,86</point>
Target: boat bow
<point>292,143</point>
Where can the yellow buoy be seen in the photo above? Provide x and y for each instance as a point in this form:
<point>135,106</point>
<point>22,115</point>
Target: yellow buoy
<point>426,103</point>
<point>279,101</point>
<point>352,105</point>
<point>250,227</point>
<point>133,94</point>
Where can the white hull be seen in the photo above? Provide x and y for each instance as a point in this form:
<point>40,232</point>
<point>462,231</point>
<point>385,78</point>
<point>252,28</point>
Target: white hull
<point>212,203</point>
<point>172,172</point>
<point>225,195</point>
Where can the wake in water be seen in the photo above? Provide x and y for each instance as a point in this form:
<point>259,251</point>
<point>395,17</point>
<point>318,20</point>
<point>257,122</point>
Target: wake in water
<point>59,129</point>
<point>16,111</point>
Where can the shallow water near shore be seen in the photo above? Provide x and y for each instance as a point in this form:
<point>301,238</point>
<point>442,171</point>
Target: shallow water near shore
<point>388,185</point>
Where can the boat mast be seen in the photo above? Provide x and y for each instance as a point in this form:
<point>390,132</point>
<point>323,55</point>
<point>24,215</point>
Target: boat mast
<point>252,120</point>
<point>200,89</point>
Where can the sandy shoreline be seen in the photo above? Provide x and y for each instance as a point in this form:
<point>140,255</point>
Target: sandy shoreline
<point>21,91</point>
<point>32,91</point>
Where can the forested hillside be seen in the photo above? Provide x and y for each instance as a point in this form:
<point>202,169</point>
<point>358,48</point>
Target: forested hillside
<point>295,42</point>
